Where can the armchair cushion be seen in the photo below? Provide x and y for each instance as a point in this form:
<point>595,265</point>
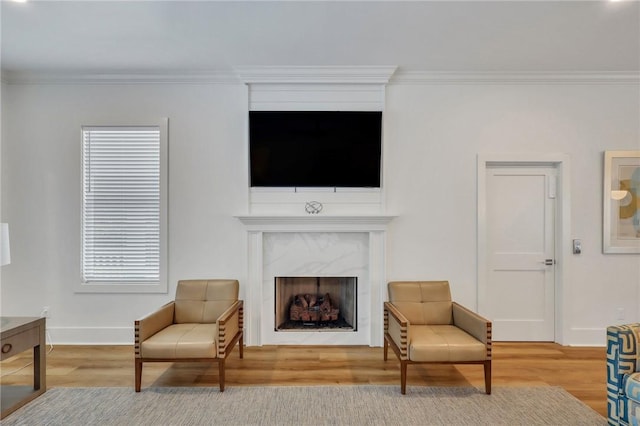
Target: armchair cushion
<point>182,341</point>
<point>443,343</point>
<point>203,301</point>
<point>422,302</point>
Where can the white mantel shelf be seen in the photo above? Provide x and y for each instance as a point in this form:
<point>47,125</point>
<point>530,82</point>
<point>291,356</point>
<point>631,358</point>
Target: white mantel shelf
<point>320,223</point>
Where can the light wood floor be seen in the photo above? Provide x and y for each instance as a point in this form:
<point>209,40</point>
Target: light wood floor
<point>580,371</point>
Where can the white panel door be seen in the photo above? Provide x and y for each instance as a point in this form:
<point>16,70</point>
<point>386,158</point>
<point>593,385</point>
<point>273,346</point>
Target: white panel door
<point>520,203</point>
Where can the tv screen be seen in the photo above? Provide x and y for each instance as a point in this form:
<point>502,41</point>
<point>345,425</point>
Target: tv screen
<point>315,148</point>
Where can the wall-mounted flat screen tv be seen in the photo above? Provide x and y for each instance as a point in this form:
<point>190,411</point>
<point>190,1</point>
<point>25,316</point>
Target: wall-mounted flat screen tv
<point>315,148</point>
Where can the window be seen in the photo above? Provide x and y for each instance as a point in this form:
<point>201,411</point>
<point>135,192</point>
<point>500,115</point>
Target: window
<point>124,208</point>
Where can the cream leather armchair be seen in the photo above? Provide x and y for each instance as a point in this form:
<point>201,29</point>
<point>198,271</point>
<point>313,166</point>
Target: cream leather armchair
<point>423,325</point>
<point>203,324</point>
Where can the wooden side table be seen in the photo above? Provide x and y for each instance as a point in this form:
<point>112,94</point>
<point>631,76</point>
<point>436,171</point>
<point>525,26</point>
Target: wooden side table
<point>18,334</point>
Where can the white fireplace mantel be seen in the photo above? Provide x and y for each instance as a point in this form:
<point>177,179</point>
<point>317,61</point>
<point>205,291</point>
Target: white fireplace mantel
<point>316,223</point>
<point>325,230</point>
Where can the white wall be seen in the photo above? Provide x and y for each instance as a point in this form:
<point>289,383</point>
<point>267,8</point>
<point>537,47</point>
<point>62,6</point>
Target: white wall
<point>42,194</point>
<point>433,134</point>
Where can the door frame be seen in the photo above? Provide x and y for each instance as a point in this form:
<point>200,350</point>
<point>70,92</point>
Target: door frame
<point>562,230</point>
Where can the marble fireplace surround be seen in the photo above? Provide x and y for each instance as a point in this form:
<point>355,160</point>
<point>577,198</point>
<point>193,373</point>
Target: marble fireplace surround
<point>320,245</point>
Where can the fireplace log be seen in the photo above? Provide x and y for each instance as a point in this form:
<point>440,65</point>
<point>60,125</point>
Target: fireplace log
<point>312,299</point>
<point>326,304</point>
<point>302,301</point>
<point>304,308</point>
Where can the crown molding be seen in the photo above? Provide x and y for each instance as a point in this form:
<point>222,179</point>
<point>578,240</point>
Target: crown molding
<point>381,75</point>
<point>63,77</point>
<point>455,77</point>
<point>315,74</point>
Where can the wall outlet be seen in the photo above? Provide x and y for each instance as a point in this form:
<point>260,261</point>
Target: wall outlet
<point>621,313</point>
<point>45,312</point>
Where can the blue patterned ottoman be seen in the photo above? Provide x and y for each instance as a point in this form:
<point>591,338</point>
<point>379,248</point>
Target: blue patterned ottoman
<point>623,378</point>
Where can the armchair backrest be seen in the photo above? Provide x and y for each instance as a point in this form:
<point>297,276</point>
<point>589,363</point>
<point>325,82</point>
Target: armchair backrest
<point>203,301</point>
<point>422,302</point>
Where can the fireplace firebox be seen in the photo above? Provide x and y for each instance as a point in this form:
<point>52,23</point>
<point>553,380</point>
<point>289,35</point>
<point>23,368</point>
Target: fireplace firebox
<point>315,303</point>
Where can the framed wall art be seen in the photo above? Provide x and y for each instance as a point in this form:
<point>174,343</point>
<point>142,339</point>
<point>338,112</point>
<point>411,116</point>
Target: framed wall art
<point>621,202</point>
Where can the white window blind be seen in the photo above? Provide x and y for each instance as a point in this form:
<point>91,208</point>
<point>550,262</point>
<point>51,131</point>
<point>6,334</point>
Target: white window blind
<point>121,218</point>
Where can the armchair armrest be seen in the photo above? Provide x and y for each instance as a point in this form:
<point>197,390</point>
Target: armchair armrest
<point>230,324</point>
<point>150,324</point>
<point>396,326</point>
<point>396,314</point>
<point>474,324</point>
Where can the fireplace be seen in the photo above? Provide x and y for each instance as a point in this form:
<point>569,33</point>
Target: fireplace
<point>315,303</point>
<point>315,246</point>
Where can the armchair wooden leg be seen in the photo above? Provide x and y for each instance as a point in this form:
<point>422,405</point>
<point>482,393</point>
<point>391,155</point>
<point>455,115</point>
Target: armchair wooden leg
<point>138,369</point>
<point>386,349</point>
<point>487,377</point>
<point>221,374</point>
<point>241,343</point>
<point>403,377</point>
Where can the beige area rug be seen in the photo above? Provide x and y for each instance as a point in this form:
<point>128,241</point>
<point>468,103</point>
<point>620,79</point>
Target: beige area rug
<point>309,405</point>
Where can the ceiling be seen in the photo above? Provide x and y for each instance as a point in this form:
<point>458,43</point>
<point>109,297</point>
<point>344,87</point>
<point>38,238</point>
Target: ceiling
<point>431,36</point>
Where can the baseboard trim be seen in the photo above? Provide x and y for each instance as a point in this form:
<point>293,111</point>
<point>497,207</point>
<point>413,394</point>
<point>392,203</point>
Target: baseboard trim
<point>90,335</point>
<point>586,336</point>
